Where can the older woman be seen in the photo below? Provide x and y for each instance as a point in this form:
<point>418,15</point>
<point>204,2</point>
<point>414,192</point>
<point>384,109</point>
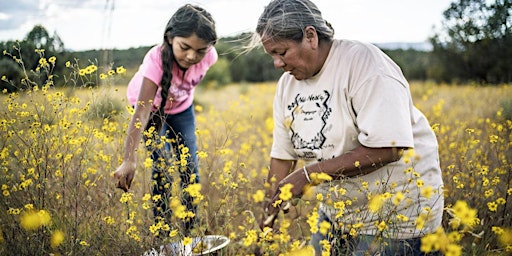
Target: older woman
<point>345,108</point>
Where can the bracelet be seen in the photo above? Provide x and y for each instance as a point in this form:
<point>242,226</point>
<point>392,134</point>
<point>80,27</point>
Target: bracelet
<point>306,173</point>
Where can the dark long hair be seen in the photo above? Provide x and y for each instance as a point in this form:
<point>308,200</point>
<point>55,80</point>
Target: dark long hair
<point>186,21</point>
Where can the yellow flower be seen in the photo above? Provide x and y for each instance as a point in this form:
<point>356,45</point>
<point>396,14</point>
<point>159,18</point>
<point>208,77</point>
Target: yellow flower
<point>126,197</point>
<point>427,191</point>
<point>364,185</point>
<point>42,61</point>
<point>399,196</point>
<point>488,193</point>
<point>312,221</point>
<point>324,227</point>
<point>194,190</point>
<point>184,150</point>
<point>402,217</point>
<point>497,230</point>
<point>250,237</point>
<point>505,237</point>
<point>286,193</point>
<point>131,111</point>
<point>57,239</point>
<point>420,221</point>
<point>157,197</point>
<point>382,226</point>
<point>430,242</point>
<point>319,177</point>
<point>259,196</point>
<point>14,211</point>
<point>120,70</point>
<point>340,206</point>
<point>493,206</point>
<point>277,203</point>
<point>501,201</point>
<point>173,233</point>
<point>376,203</point>
<point>326,247</point>
<point>154,229</point>
<point>148,163</point>
<point>463,214</point>
<point>109,220</point>
<point>33,220</point>
<point>202,154</point>
<point>306,251</point>
<point>91,69</point>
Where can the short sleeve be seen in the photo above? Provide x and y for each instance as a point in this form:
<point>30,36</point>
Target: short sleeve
<point>211,57</point>
<point>152,65</point>
<point>282,147</point>
<point>383,113</point>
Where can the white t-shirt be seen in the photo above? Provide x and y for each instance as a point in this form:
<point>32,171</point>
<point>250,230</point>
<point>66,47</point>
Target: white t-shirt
<point>360,97</point>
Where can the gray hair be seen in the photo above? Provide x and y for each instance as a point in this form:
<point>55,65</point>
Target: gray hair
<point>287,19</point>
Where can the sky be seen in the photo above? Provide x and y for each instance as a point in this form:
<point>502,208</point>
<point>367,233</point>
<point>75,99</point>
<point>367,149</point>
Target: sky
<point>122,24</point>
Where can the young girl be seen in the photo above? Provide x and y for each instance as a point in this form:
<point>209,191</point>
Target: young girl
<point>163,88</point>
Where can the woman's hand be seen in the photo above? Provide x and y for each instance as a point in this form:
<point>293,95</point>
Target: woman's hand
<point>125,174</point>
<point>298,181</point>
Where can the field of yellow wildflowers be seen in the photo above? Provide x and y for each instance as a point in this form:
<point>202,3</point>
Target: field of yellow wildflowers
<point>60,146</point>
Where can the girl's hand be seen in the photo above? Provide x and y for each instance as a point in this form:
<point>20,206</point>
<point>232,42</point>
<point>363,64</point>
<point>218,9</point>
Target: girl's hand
<point>125,174</point>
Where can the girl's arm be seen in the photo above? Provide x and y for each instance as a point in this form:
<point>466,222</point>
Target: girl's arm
<point>140,118</point>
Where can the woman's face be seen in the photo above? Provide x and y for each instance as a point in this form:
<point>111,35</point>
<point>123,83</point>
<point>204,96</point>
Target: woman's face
<point>189,50</point>
<point>297,58</point>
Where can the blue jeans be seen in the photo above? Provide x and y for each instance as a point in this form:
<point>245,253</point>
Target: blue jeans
<point>363,245</point>
<point>180,129</point>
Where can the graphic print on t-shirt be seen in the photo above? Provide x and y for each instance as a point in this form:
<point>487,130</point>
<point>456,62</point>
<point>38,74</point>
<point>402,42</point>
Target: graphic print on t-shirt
<point>309,115</point>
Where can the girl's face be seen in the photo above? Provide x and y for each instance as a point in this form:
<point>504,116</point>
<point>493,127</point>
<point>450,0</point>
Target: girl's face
<point>298,59</point>
<point>188,50</point>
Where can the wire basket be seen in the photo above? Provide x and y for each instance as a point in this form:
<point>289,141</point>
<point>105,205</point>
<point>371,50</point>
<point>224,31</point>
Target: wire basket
<point>200,246</point>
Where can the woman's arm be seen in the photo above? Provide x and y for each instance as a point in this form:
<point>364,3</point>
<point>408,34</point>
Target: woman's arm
<point>359,161</point>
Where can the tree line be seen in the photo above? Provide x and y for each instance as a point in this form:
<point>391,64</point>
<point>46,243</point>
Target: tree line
<point>473,45</point>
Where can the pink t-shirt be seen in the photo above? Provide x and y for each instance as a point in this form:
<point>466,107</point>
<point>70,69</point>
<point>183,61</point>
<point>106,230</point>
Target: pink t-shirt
<point>182,85</point>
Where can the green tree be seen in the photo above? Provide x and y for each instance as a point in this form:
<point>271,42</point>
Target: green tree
<point>413,63</point>
<point>218,75</point>
<point>252,66</point>
<point>41,39</point>
<point>11,71</point>
<point>474,44</point>
<point>37,38</point>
